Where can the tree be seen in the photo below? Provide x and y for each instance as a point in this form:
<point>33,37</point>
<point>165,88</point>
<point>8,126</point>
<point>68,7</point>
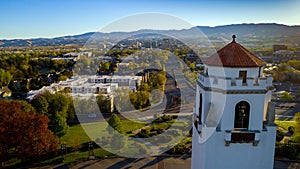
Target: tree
<point>132,65</point>
<point>58,125</point>
<point>59,108</point>
<point>161,79</point>
<point>104,104</point>
<point>295,64</point>
<point>145,87</point>
<point>114,123</point>
<point>5,77</point>
<point>105,66</point>
<point>158,65</point>
<point>140,99</point>
<point>40,104</point>
<point>24,133</point>
<point>192,66</point>
<point>58,102</point>
<point>62,78</point>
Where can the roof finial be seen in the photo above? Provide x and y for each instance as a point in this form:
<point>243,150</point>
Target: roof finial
<point>233,38</point>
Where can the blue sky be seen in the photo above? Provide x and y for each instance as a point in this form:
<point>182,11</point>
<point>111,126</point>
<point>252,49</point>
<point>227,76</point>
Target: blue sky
<point>51,18</point>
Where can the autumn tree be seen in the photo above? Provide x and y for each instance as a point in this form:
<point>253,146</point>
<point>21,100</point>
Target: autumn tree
<point>24,133</point>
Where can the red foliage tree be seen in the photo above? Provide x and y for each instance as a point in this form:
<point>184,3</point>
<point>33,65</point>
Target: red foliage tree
<point>24,133</point>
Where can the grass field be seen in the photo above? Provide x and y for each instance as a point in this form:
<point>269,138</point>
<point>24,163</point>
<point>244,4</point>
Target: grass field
<point>285,124</point>
<point>83,133</point>
<point>79,135</point>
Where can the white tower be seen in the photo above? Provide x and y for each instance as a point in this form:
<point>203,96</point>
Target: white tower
<point>234,117</point>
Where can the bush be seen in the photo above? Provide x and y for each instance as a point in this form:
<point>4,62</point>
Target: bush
<point>290,151</point>
<point>158,120</point>
<point>166,118</point>
<point>178,149</point>
<point>144,133</point>
<point>291,130</point>
<point>279,135</point>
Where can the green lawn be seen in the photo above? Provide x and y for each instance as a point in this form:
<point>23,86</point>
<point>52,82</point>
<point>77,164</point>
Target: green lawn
<point>285,124</point>
<point>128,125</point>
<point>83,133</point>
<point>77,132</point>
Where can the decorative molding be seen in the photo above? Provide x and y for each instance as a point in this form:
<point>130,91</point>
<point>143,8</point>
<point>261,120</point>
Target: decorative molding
<point>262,91</point>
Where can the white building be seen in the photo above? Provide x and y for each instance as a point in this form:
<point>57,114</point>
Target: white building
<point>78,85</point>
<point>91,88</point>
<point>131,81</point>
<point>234,117</point>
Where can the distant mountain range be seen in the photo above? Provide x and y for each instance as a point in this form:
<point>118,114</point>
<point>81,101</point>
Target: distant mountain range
<point>249,34</point>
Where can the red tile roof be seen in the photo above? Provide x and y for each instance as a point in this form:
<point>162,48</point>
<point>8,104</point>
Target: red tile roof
<point>234,55</point>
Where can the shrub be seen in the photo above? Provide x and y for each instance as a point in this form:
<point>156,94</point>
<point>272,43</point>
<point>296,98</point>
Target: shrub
<point>178,149</point>
<point>279,135</point>
<point>291,130</point>
<point>166,118</point>
<point>144,133</point>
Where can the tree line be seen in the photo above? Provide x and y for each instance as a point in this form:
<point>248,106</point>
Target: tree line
<point>30,73</point>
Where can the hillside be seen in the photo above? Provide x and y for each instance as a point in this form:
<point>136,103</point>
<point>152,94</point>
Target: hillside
<point>249,34</point>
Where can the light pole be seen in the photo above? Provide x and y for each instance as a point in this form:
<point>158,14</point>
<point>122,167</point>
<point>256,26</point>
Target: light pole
<point>91,151</point>
<point>63,150</point>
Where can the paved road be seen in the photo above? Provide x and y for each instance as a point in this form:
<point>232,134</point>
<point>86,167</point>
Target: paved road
<point>286,110</point>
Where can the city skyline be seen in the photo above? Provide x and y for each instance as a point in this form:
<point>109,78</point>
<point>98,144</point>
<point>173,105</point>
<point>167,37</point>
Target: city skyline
<point>47,19</point>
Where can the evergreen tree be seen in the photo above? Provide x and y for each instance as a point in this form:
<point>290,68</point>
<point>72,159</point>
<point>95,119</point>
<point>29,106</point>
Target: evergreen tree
<point>114,123</point>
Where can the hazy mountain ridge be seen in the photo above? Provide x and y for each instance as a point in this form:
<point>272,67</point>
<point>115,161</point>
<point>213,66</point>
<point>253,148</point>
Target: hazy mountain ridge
<point>265,34</point>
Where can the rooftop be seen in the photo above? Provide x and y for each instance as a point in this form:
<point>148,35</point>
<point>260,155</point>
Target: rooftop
<point>234,55</point>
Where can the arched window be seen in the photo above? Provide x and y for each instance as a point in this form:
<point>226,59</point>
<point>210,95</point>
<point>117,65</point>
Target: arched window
<point>200,107</point>
<point>242,112</point>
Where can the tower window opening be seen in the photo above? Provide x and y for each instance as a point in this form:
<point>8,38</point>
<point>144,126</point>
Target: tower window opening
<point>242,112</point>
<point>243,75</point>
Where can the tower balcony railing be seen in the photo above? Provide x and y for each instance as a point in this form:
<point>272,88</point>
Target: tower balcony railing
<point>240,136</point>
<point>229,83</point>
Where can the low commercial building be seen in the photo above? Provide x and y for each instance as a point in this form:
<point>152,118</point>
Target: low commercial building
<point>131,81</point>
